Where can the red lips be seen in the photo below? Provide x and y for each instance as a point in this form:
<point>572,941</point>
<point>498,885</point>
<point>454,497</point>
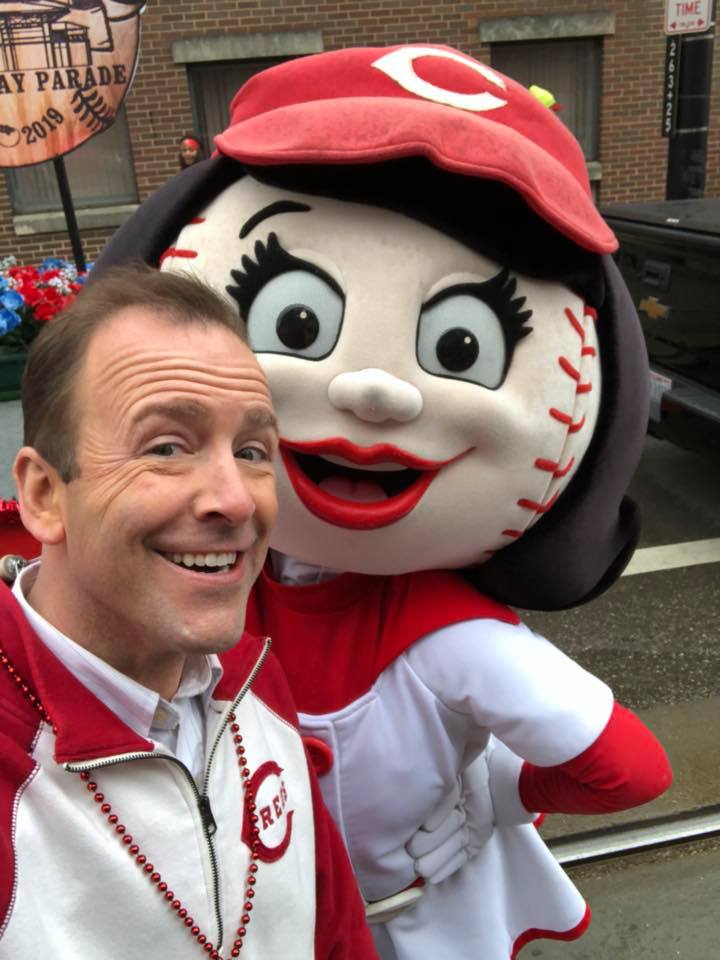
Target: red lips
<point>347,513</point>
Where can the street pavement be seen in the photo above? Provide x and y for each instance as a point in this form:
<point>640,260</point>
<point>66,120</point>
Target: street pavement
<point>10,441</point>
<point>652,906</point>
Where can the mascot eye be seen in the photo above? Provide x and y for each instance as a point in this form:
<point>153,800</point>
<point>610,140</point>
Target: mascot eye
<point>469,331</point>
<point>298,313</point>
<point>289,305</point>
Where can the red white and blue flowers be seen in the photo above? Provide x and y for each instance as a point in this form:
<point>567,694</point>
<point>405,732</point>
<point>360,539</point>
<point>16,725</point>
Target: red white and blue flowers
<point>30,296</point>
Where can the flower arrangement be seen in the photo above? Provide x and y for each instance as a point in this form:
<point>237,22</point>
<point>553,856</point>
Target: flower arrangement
<point>30,296</point>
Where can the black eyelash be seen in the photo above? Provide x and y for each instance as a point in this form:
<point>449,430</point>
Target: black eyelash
<point>497,293</point>
<point>271,259</point>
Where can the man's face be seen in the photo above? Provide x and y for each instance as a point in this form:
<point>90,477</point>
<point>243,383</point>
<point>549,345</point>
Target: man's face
<point>167,522</point>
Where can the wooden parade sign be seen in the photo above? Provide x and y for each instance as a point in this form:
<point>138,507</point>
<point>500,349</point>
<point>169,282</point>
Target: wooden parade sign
<point>65,67</point>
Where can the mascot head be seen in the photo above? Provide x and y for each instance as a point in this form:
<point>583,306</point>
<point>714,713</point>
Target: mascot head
<point>458,372</point>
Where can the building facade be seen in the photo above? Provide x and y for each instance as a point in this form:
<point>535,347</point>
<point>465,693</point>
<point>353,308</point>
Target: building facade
<point>604,60</point>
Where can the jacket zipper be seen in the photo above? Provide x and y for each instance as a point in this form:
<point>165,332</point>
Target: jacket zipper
<point>202,800</point>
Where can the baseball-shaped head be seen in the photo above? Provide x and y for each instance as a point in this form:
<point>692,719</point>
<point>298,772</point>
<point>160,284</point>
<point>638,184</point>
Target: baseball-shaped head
<point>410,239</point>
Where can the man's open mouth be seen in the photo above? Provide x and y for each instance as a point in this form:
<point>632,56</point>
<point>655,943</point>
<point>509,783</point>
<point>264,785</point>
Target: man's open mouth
<point>204,562</point>
<point>360,488</point>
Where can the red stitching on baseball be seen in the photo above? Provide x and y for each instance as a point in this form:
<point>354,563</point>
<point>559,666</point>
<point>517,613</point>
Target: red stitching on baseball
<point>569,369</point>
<point>590,312</point>
<point>577,326</point>
<point>174,252</point>
<point>197,220</point>
<point>538,507</point>
<point>512,533</point>
<point>567,420</point>
<point>588,352</point>
<point>553,467</point>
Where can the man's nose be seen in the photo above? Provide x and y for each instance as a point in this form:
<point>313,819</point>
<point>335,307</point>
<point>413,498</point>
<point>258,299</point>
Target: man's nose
<point>375,395</point>
<point>225,491</point>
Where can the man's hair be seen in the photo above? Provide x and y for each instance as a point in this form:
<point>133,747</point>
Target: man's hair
<point>57,354</point>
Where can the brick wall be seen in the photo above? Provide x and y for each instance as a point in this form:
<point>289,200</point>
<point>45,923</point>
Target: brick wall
<point>632,152</point>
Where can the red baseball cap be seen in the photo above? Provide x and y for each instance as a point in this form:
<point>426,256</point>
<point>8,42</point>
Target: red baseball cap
<point>370,104</point>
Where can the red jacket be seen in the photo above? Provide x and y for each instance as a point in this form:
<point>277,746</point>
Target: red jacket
<point>74,882</point>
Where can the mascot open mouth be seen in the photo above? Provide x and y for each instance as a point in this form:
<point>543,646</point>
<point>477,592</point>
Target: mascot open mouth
<point>360,488</point>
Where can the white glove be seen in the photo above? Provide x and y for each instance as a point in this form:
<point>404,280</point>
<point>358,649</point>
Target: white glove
<point>484,797</point>
<point>439,847</point>
<point>457,829</point>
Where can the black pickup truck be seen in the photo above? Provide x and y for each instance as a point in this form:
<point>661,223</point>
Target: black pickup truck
<point>670,258</point>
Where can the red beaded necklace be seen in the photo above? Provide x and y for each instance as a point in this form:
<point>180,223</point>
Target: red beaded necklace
<point>141,859</point>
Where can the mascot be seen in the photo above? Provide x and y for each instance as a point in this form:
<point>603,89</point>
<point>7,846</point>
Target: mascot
<point>460,382</point>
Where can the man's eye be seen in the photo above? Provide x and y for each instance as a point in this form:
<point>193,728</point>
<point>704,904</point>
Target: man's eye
<point>253,454</point>
<point>164,449</point>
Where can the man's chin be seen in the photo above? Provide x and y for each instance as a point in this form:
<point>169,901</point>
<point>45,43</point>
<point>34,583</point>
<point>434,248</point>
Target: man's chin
<point>207,632</point>
<point>221,644</point>
<point>209,638</point>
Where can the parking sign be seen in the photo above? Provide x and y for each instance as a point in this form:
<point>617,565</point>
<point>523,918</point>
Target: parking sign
<point>687,16</point>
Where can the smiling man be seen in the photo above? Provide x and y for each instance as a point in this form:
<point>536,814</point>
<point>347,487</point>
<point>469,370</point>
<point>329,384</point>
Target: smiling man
<point>152,794</point>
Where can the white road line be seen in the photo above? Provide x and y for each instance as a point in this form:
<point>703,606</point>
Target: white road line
<point>652,559</point>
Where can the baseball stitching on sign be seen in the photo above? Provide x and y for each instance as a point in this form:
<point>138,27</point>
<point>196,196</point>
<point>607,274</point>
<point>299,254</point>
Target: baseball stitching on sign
<point>93,111</point>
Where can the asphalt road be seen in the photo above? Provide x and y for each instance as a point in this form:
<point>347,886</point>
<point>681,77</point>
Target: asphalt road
<point>652,906</point>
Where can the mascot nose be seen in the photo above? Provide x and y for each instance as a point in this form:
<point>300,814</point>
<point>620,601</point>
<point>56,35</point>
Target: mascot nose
<point>375,395</point>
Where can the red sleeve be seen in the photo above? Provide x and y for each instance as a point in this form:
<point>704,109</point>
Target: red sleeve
<point>341,932</point>
<point>624,767</point>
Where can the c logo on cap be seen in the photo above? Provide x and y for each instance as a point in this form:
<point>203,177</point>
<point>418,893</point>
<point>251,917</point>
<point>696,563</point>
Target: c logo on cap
<point>399,66</point>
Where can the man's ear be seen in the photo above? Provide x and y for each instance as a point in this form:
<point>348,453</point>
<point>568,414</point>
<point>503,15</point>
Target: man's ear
<point>40,495</point>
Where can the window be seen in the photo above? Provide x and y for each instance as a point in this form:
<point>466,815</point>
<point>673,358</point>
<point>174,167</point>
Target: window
<point>100,173</point>
<point>212,87</point>
<point>570,70</point>
<point>218,66</point>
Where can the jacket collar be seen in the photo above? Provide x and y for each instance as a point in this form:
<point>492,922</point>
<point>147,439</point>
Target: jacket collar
<point>85,729</point>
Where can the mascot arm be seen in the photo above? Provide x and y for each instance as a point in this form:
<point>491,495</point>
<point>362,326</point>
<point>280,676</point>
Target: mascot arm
<point>624,767</point>
<point>505,680</point>
<point>583,752</point>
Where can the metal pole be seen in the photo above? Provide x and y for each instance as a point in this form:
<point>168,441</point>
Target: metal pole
<point>66,197</point>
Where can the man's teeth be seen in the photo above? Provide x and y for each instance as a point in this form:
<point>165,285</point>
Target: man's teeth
<point>212,560</point>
